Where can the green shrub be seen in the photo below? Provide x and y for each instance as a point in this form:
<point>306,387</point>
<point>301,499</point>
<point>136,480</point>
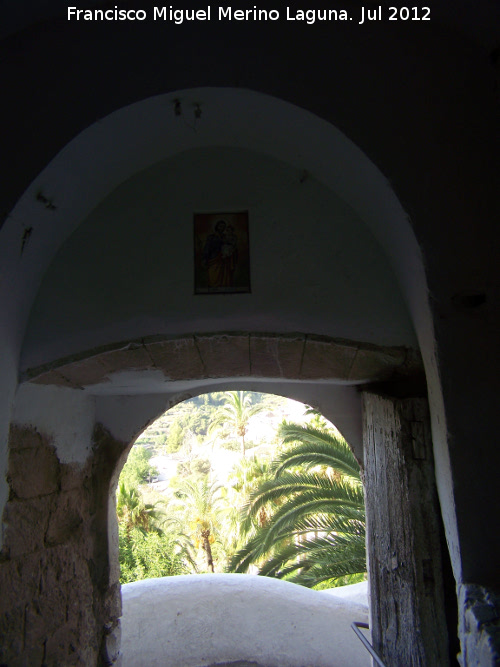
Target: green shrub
<point>146,555</point>
<point>137,470</point>
<point>175,438</point>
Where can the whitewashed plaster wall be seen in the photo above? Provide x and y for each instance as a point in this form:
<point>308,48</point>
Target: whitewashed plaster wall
<point>128,270</point>
<point>65,416</point>
<point>125,416</point>
<point>209,619</point>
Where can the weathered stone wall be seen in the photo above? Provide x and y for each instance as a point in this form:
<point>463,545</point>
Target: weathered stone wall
<point>479,626</point>
<point>58,603</point>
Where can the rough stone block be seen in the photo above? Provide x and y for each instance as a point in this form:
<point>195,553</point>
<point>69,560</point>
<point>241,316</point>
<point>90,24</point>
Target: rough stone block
<point>324,359</point>
<point>178,359</point>
<point>53,600</point>
<point>33,655</point>
<point>26,524</point>
<point>65,647</point>
<point>276,356</point>
<point>369,365</point>
<point>85,372</point>
<point>113,603</point>
<point>55,378</point>
<point>73,476</point>
<point>479,626</point>
<point>19,580</point>
<point>43,616</point>
<point>112,643</point>
<point>225,355</point>
<point>11,643</point>
<point>66,521</point>
<point>64,564</point>
<point>33,471</point>
<point>21,437</point>
<point>95,369</point>
<point>133,356</point>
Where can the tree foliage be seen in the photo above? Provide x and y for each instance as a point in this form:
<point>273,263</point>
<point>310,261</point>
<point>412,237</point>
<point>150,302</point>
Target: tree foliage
<point>247,475</point>
<point>138,469</point>
<point>203,514</point>
<point>235,414</point>
<point>145,555</point>
<point>316,530</point>
<point>133,512</point>
<point>175,438</point>
<point>204,525</point>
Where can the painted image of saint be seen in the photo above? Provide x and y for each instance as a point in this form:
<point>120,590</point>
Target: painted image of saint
<point>220,255</point>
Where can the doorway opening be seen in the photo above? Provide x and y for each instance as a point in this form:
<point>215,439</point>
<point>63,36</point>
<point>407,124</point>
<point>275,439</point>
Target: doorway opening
<point>241,481</point>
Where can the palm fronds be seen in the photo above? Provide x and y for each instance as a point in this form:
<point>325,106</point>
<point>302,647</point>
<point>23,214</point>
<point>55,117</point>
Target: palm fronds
<point>235,414</point>
<point>133,512</point>
<point>317,527</point>
<point>315,447</point>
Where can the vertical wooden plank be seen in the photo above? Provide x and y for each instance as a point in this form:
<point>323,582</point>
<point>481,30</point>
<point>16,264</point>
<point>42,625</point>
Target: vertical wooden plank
<point>403,532</point>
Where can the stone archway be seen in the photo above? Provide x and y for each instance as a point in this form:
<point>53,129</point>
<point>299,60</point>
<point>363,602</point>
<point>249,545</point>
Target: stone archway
<point>349,173</point>
<point>148,361</point>
<point>217,355</point>
<point>68,496</point>
<point>428,120</point>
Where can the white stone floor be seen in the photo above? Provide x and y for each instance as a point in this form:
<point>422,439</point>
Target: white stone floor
<point>240,620</point>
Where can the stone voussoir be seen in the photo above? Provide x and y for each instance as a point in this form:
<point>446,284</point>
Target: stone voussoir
<point>177,358</point>
<point>54,377</point>
<point>371,364</point>
<point>276,355</point>
<point>235,354</point>
<point>326,359</point>
<point>225,355</point>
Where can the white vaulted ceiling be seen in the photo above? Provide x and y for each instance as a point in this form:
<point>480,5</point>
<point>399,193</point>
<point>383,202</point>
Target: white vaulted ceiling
<point>328,228</point>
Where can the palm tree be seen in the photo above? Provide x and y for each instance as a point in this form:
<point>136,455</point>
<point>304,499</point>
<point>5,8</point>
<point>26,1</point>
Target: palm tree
<point>133,512</point>
<point>247,476</point>
<point>317,532</point>
<point>202,509</point>
<point>236,413</point>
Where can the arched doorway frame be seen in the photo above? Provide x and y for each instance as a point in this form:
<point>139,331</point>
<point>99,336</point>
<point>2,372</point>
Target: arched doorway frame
<point>149,130</point>
<point>379,209</point>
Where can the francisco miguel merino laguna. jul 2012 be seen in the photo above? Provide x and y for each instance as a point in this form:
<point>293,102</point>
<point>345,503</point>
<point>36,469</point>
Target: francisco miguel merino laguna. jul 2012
<point>219,13</point>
